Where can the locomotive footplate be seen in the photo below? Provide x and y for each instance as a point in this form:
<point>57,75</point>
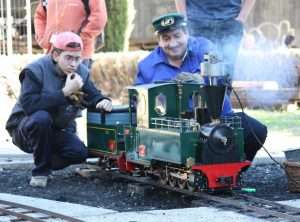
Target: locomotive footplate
<point>222,175</point>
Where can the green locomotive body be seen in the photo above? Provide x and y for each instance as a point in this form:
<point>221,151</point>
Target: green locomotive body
<point>170,130</point>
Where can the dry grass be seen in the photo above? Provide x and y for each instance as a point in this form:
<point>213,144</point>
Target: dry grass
<point>112,72</point>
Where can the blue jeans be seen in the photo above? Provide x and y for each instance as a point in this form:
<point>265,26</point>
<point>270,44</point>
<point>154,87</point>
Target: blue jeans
<point>226,35</point>
<point>52,148</point>
<point>252,126</point>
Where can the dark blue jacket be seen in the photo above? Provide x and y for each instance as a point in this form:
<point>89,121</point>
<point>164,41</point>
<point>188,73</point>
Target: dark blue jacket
<point>41,89</point>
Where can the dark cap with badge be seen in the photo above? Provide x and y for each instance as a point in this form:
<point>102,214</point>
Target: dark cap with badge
<point>168,22</point>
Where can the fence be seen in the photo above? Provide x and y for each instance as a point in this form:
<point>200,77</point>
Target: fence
<point>15,27</point>
<point>272,17</point>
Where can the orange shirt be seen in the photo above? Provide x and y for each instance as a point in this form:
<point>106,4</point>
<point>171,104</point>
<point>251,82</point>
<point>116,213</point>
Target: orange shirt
<point>69,15</point>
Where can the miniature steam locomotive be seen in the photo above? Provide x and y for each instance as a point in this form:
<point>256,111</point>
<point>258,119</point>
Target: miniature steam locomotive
<point>172,131</point>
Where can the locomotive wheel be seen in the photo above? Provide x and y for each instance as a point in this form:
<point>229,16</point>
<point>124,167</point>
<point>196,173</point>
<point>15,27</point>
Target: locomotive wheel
<point>239,181</point>
<point>172,181</point>
<point>163,178</point>
<point>182,184</point>
<point>190,186</point>
<point>203,183</point>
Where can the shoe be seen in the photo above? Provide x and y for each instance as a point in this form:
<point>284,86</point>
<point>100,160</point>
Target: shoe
<point>38,181</point>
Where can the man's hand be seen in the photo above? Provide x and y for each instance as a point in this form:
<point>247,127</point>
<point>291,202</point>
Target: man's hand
<point>104,104</point>
<point>77,97</point>
<point>73,84</point>
<point>240,19</point>
<point>247,6</point>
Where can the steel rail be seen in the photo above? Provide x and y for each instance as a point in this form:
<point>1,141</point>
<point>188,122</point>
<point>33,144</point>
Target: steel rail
<point>245,204</point>
<point>7,209</point>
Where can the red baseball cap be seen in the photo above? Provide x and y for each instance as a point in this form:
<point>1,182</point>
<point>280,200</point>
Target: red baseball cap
<point>66,41</point>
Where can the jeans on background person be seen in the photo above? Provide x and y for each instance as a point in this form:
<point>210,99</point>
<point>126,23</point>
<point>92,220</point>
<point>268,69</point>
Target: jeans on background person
<point>226,35</point>
<point>252,142</point>
<point>88,63</point>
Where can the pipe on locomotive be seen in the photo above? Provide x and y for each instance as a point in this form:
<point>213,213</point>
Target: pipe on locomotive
<point>213,73</point>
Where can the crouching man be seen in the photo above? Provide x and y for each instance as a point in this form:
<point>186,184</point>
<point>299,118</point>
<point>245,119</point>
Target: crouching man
<point>54,89</point>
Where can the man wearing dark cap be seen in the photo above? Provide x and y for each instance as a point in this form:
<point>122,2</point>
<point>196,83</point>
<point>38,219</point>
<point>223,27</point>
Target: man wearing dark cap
<point>43,120</point>
<point>177,53</point>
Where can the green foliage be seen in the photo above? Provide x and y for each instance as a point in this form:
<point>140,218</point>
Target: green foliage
<point>278,121</point>
<point>116,25</point>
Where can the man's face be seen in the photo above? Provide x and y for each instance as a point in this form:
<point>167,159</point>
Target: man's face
<point>67,61</point>
<point>174,43</point>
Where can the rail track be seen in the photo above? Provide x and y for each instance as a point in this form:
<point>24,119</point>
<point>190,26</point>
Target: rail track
<point>240,203</point>
<point>10,211</point>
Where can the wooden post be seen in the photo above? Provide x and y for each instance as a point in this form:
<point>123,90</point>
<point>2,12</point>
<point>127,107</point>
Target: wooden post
<point>28,27</point>
<point>9,28</point>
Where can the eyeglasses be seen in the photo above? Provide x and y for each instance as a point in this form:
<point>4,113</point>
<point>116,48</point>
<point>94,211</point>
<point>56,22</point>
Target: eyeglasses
<point>70,58</point>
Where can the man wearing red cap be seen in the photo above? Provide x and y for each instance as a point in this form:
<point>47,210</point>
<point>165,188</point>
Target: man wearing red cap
<point>43,120</point>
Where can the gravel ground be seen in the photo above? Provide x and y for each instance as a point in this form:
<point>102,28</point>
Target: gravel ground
<point>117,194</point>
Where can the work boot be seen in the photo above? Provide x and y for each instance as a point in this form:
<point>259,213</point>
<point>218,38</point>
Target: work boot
<point>38,181</point>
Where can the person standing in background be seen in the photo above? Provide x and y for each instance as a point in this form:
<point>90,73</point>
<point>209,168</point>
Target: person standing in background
<point>222,22</point>
<point>54,16</point>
